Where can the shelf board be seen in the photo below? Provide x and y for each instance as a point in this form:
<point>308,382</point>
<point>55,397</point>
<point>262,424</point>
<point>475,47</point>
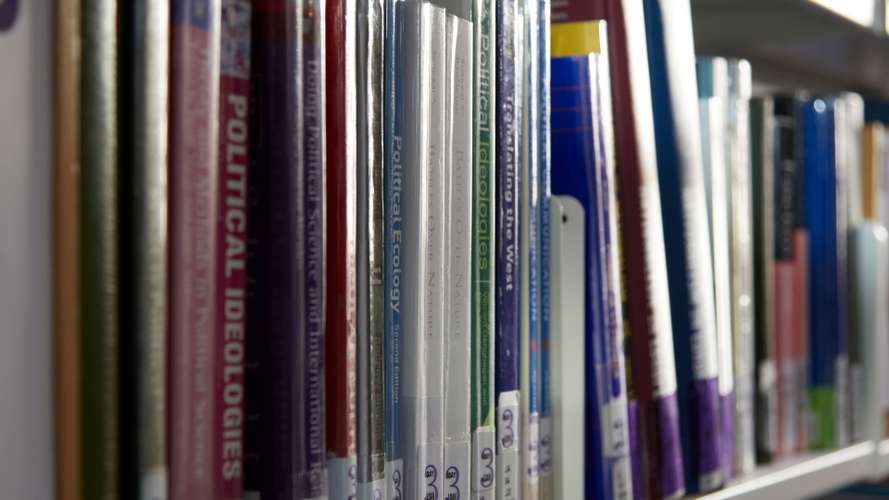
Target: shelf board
<point>804,476</point>
<point>881,465</point>
<point>798,43</point>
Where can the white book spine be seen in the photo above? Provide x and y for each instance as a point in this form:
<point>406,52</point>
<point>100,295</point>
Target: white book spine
<point>458,246</point>
<point>417,75</point>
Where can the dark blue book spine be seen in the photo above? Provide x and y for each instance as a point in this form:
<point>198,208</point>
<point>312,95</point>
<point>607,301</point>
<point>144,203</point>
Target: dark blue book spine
<point>308,400</point>
<point>507,278</point>
<point>272,268</point>
<point>392,123</point>
<point>686,235</point>
<point>826,319</point>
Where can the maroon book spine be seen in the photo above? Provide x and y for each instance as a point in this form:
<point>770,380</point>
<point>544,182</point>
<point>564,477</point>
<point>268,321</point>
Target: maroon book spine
<point>192,211</point>
<point>231,249</point>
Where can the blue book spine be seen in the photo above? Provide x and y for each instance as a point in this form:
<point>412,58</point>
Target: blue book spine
<point>826,321</point>
<point>393,178</point>
<point>686,234</point>
<point>392,124</point>
<point>543,165</point>
<point>507,304</point>
<point>580,170</point>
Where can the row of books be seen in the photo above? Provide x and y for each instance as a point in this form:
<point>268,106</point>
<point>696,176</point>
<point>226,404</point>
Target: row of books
<point>410,249</point>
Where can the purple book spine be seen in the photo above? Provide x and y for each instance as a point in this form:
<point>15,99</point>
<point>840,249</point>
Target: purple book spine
<point>308,398</point>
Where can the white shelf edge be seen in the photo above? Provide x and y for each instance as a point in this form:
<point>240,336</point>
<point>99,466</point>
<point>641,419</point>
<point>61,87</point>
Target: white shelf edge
<point>881,461</point>
<point>805,476</point>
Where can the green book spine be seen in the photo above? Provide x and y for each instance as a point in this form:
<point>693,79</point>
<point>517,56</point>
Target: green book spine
<point>99,251</point>
<point>482,412</point>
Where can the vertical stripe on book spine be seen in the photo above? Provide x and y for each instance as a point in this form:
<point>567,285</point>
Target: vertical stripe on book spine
<point>689,265</point>
<point>308,399</point>
<point>234,158</point>
<point>194,173</point>
<point>340,315</point>
<point>507,251</point>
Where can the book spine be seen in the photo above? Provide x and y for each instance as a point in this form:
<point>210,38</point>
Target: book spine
<point>98,246</point>
<point>762,160</point>
<point>66,242</point>
<point>542,32</point>
<point>231,244</point>
<point>307,83</point>
<point>741,228</point>
<point>194,189</point>
<point>458,447</point>
<point>507,281</point>
<point>822,214</point>
<point>689,264</point>
<point>146,66</point>
<point>484,238</point>
<point>371,405</point>
<point>529,225</point>
<point>786,322</point>
<point>647,299</point>
<point>713,87</point>
<point>414,117</point>
<point>341,321</point>
<point>394,247</point>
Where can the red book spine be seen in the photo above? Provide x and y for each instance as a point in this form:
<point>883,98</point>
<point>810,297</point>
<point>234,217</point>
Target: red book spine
<point>231,248</point>
<point>341,315</point>
<point>193,173</point>
<point>801,331</point>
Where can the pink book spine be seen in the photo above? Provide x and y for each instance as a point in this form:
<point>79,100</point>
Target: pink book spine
<point>785,338</point>
<point>800,346</point>
<point>192,211</point>
<point>234,83</point>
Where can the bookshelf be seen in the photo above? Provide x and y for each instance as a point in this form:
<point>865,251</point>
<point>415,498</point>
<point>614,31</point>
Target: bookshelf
<point>821,45</point>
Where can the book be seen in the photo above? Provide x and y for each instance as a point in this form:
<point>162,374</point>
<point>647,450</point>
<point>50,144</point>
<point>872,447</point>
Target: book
<point>868,257</point>
<point>369,54</point>
<point>849,144</point>
<point>341,316</point>
<point>193,211</point>
<point>529,235</point>
<point>824,216</point>
<point>713,83</point>
<point>542,32</point>
<point>653,412</point>
<point>143,131</point>
<point>305,85</point>
<point>458,252</point>
<point>422,63</point>
<point>393,276</point>
<point>741,257</point>
<point>687,239</point>
<point>484,238</point>
<point>507,255</point>
<point>568,391</point>
<point>583,169</point>
<point>231,244</point>
<point>67,334</point>
<point>99,248</point>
